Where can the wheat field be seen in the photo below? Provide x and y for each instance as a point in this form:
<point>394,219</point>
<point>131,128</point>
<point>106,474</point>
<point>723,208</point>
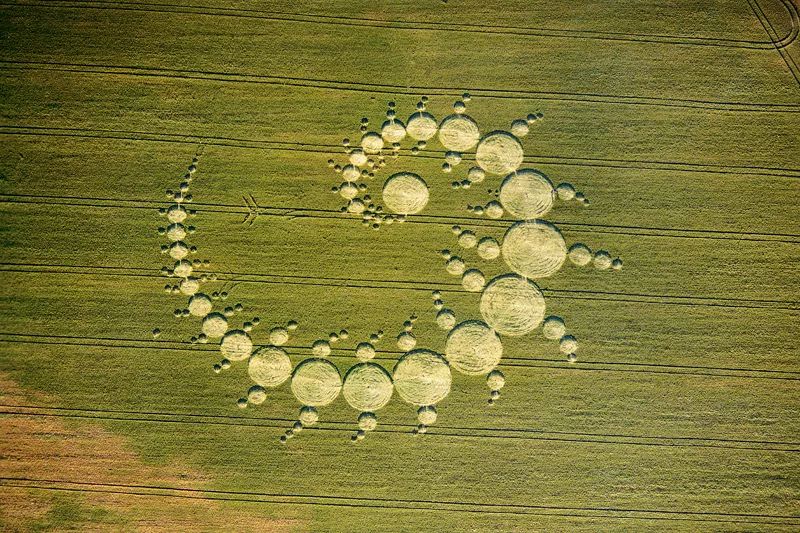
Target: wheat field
<point>167,158</point>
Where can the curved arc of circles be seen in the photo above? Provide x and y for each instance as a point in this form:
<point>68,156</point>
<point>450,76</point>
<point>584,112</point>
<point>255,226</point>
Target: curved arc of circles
<point>421,377</point>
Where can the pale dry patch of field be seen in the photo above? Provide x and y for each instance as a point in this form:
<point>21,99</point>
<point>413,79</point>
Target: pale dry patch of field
<point>46,448</point>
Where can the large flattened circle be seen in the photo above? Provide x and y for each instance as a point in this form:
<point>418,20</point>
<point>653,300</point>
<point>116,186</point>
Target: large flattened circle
<point>316,382</point>
<point>534,249</point>
<point>371,142</point>
<point>269,366</point>
<point>499,152</point>
<point>473,348</point>
<point>405,193</point>
<point>200,304</point>
<point>422,377</point>
<point>176,232</point>
<point>459,133</point>
<point>367,387</point>
<point>421,126</point>
<point>214,325</point>
<point>512,305</point>
<point>176,213</point>
<point>527,193</point>
<point>393,131</point>
<point>236,345</point>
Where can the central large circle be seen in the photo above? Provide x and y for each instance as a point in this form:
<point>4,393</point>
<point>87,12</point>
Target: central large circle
<point>534,248</point>
<point>316,382</point>
<point>422,377</point>
<point>405,193</point>
<point>473,348</point>
<point>458,132</point>
<point>527,193</point>
<point>512,305</point>
<point>367,387</point>
<point>499,152</point>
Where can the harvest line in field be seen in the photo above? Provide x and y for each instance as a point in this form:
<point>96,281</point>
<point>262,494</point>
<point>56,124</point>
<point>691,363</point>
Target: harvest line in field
<point>200,419</point>
<point>415,285</point>
<point>269,265</point>
<point>212,416</point>
<point>407,504</point>
<point>443,220</point>
<point>511,362</point>
<point>335,149</point>
<point>773,36</point>
<point>517,362</point>
<point>419,25</point>
<point>377,88</point>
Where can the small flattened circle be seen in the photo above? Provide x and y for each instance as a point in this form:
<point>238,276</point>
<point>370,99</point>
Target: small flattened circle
<point>580,254</point>
<point>200,305</point>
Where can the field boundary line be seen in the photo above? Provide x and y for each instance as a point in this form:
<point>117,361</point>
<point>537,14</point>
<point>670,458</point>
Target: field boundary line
<point>331,149</point>
<point>348,424</point>
<point>344,426</point>
<point>294,212</point>
<point>389,89</point>
<point>412,25</point>
<point>415,285</point>
<point>397,503</point>
<point>391,356</point>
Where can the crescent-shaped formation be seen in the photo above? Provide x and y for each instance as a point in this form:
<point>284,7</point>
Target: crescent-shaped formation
<point>510,304</point>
